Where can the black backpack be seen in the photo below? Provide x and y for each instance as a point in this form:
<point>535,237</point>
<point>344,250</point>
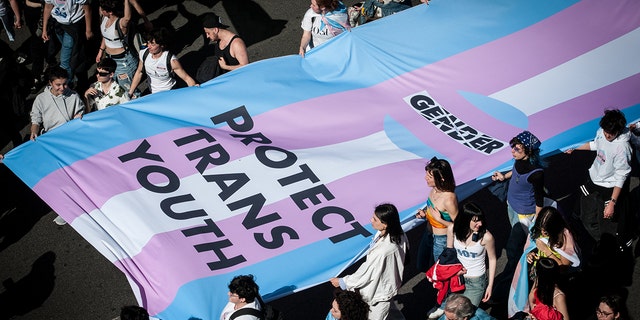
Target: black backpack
<point>268,312</point>
<point>169,68</point>
<point>208,69</point>
<point>132,41</point>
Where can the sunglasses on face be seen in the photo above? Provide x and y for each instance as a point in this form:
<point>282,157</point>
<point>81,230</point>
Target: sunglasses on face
<point>103,74</point>
<point>516,148</point>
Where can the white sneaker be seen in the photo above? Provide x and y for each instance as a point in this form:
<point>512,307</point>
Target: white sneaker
<point>59,221</point>
<point>436,314</point>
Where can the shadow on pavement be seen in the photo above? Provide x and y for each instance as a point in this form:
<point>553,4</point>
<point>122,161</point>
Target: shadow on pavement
<point>20,209</point>
<point>31,291</point>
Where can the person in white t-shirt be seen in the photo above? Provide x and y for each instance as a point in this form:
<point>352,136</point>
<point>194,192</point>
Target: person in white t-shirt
<point>324,20</point>
<point>157,66</point>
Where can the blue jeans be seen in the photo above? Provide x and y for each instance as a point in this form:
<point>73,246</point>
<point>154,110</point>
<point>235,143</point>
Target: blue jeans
<point>125,69</point>
<point>71,41</point>
<point>439,243</point>
<point>430,248</point>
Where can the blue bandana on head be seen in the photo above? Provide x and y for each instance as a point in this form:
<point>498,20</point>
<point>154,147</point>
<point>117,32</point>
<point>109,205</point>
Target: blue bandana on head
<point>529,140</point>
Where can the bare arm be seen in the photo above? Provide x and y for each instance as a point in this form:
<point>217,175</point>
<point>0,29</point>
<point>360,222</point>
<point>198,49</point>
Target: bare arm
<point>137,77</point>
<point>560,302</point>
<point>147,24</point>
<point>16,12</point>
<point>177,68</point>
<point>450,236</point>
<point>126,17</point>
<point>35,128</point>
<point>489,244</point>
<point>46,15</point>
<point>304,42</point>
<point>87,20</point>
<point>238,51</point>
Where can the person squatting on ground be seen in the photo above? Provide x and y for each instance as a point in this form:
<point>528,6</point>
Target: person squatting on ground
<point>602,205</point>
<point>323,20</point>
<point>440,211</point>
<point>105,92</point>
<point>379,278</point>
<point>348,305</point>
<point>243,294</point>
<point>230,49</point>
<point>71,19</point>
<point>525,198</point>
<point>159,64</point>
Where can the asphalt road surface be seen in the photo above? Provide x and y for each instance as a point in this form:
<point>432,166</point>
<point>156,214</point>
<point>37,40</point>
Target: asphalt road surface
<point>50,272</point>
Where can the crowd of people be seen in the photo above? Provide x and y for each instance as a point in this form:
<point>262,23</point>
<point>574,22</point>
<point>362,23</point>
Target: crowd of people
<point>456,251</point>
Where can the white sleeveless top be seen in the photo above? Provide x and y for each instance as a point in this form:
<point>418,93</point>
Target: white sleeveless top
<point>159,77</point>
<point>472,257</point>
<point>110,35</point>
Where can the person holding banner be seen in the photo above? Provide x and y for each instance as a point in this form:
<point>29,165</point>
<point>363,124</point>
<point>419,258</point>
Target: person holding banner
<point>380,276</point>
<point>525,198</point>
<point>324,20</point>
<point>56,105</point>
<point>440,211</point>
<point>159,64</point>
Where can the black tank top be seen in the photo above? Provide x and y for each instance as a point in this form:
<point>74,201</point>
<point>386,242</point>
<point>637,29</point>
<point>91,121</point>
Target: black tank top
<point>226,54</point>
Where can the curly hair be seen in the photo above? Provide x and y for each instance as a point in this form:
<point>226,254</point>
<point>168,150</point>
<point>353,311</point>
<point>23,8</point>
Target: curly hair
<point>245,287</point>
<point>351,305</point>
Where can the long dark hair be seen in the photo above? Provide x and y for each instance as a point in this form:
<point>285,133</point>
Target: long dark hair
<point>551,221</point>
<point>442,174</point>
<point>547,277</point>
<point>388,214</point>
<point>461,228</point>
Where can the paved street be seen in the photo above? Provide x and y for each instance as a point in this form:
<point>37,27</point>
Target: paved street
<point>50,272</point>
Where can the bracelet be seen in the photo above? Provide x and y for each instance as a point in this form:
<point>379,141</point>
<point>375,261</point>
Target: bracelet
<point>613,200</point>
<point>103,49</point>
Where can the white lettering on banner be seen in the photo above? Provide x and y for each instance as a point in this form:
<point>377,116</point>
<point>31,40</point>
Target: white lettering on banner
<point>452,126</point>
<point>229,183</point>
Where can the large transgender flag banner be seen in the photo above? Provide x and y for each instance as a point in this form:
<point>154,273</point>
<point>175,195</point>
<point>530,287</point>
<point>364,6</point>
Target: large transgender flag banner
<point>274,169</point>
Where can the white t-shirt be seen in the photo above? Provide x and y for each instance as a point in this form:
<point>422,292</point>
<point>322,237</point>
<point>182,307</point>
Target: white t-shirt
<point>67,12</point>
<point>228,311</point>
<point>159,77</point>
<point>320,31</point>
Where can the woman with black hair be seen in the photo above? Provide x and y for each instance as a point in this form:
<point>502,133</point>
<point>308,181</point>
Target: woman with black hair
<point>380,276</point>
<point>546,300</point>
<point>474,243</point>
<point>440,211</point>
